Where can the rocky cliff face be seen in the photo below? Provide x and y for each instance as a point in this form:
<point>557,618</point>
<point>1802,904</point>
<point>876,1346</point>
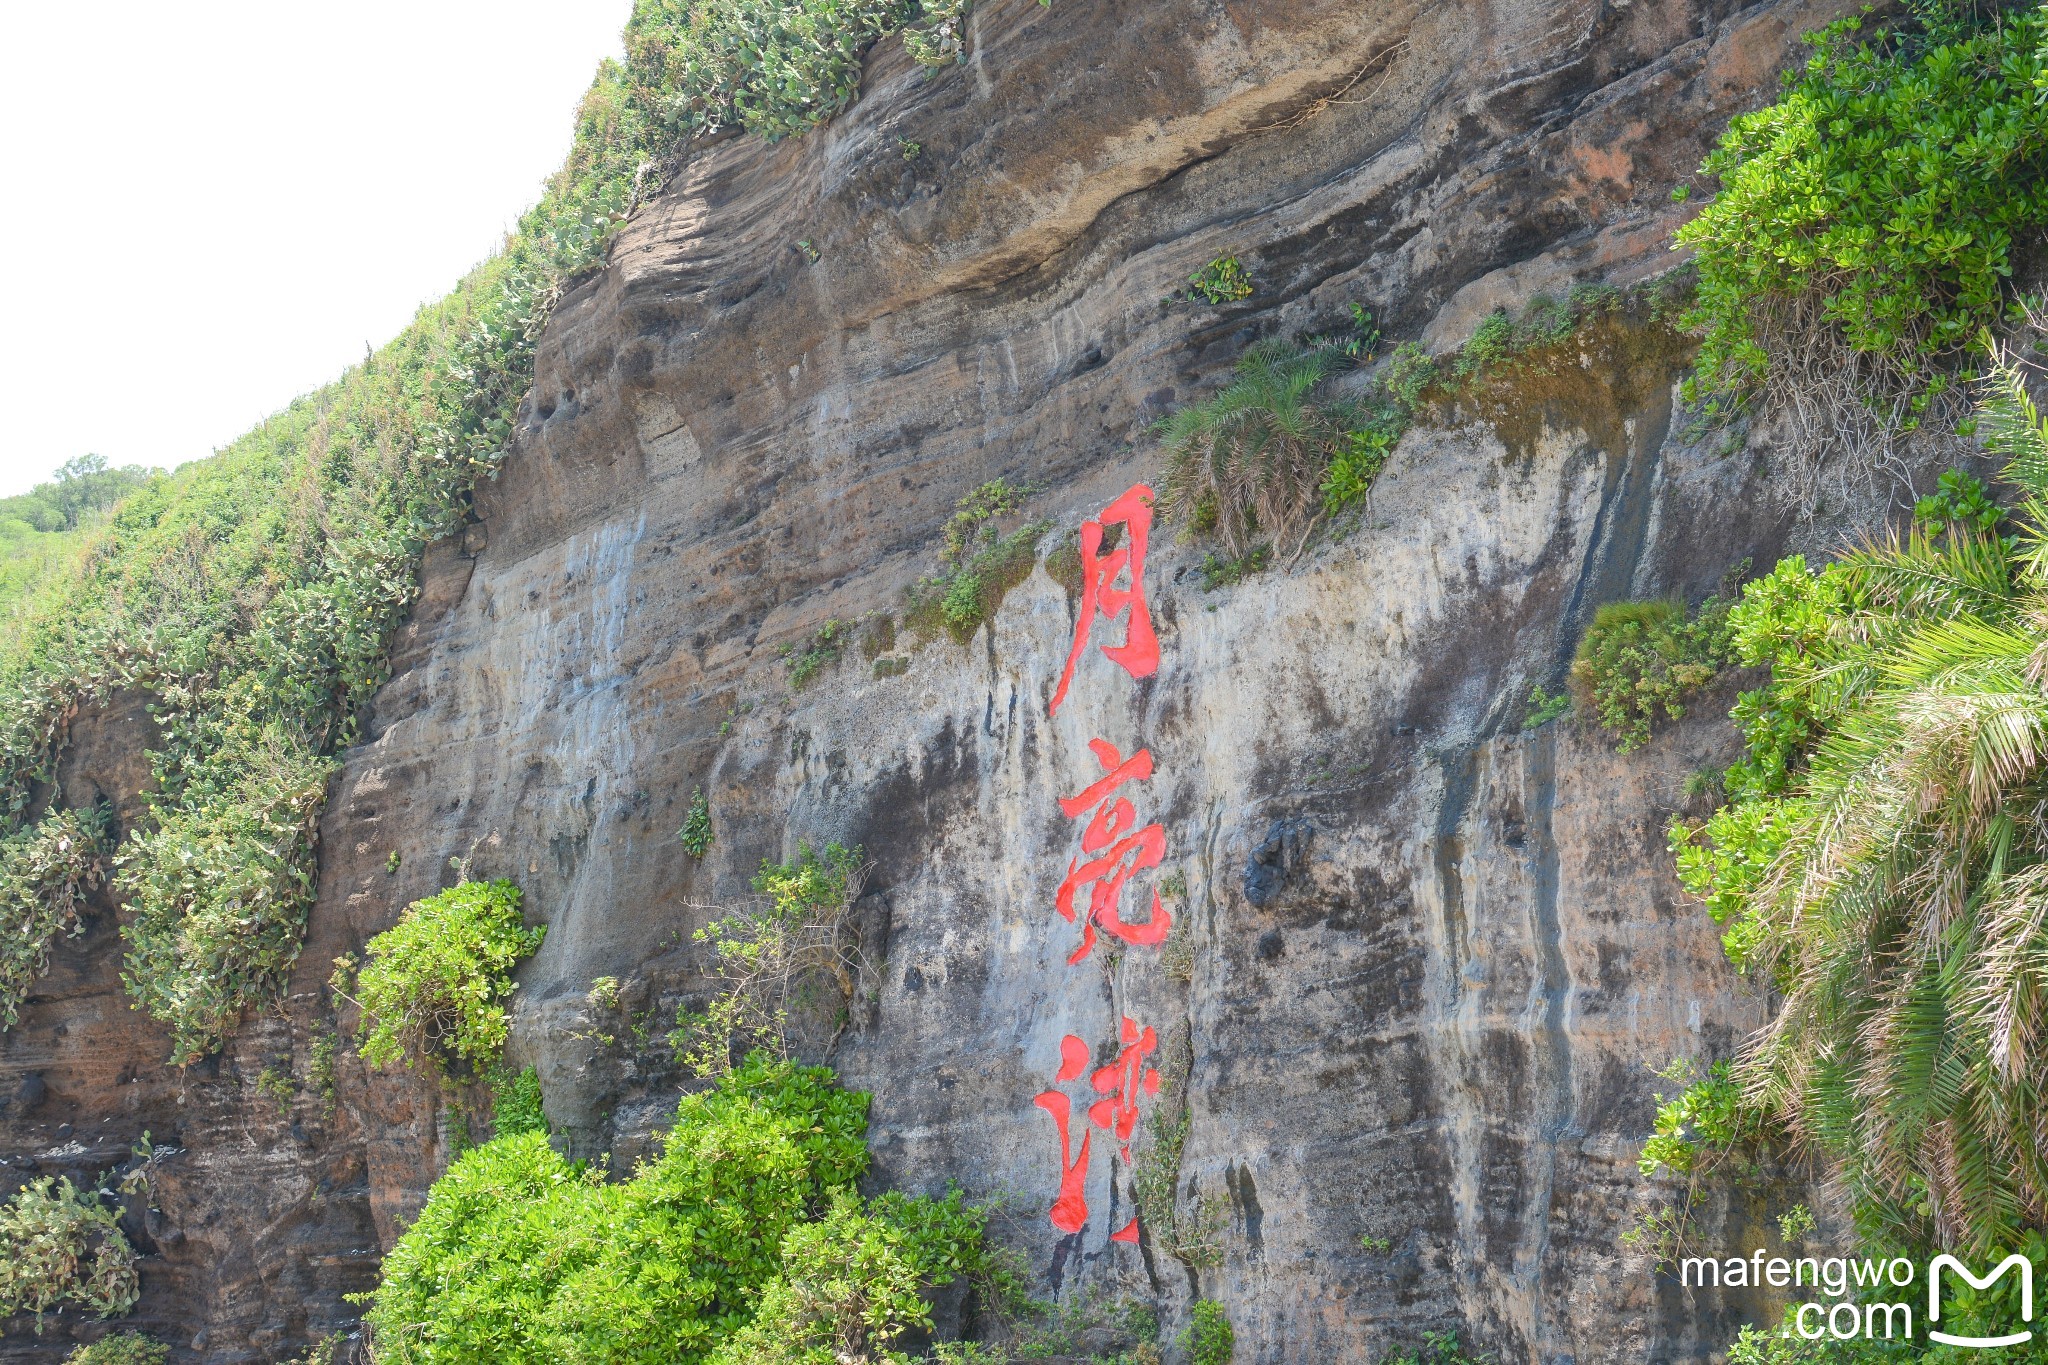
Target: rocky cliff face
<point>1432,954</point>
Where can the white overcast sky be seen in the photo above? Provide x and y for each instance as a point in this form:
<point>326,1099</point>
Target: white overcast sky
<point>212,206</point>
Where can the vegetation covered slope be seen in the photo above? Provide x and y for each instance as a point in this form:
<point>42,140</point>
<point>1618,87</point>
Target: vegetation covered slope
<point>249,597</point>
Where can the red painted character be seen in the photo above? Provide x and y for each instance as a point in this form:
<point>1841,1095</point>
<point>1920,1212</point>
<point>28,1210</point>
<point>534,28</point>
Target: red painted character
<point>1070,1210</point>
<point>1138,655</point>
<point>1114,851</point>
<point>1122,1081</point>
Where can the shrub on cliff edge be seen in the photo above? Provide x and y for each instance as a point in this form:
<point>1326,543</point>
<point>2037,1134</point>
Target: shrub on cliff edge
<point>746,1223</point>
<point>437,980</point>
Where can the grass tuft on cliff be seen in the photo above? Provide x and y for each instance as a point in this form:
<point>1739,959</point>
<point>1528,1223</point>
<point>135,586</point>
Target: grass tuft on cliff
<point>250,597</point>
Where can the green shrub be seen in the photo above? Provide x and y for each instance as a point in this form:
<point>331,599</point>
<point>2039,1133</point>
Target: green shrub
<point>59,1246</point>
<point>696,835</point>
<point>520,1256</point>
<point>435,983</point>
<point>979,564</point>
<point>123,1348</point>
<point>516,1103</point>
<point>1707,1116</point>
<point>805,664</point>
<point>1208,1338</point>
<point>1354,464</point>
<point>857,1279</point>
<point>220,891</point>
<point>1957,500</point>
<point>774,68</point>
<point>777,955</point>
<point>1186,1229</point>
<point>1439,1348</point>
<point>1638,658</point>
<point>1409,374</point>
<point>1544,708</point>
<point>1260,450</point>
<point>45,872</point>
<point>1874,212</point>
<point>1223,280</point>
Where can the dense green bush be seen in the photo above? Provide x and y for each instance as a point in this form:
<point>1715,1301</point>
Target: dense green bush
<point>1639,658</point>
<point>435,983</point>
<point>857,1279</point>
<point>61,1246</point>
<point>516,1103</point>
<point>1881,861</point>
<point>521,1256</point>
<point>696,834</point>
<point>45,873</point>
<point>1868,221</point>
<point>773,67</point>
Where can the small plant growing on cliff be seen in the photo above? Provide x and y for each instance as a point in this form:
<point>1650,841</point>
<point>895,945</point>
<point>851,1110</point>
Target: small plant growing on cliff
<point>1260,450</point>
<point>1707,1117</point>
<point>979,563</point>
<point>773,954</point>
<point>1959,500</point>
<point>516,1103</point>
<point>276,1083</point>
<point>1795,1224</point>
<point>46,871</point>
<point>1439,1348</point>
<point>123,1348</point>
<point>1185,1229</point>
<point>939,37</point>
<point>696,833</point>
<point>1640,658</point>
<point>325,1047</point>
<point>1221,281</point>
<point>435,983</point>
<point>806,664</point>
<point>1544,708</point>
<point>1354,464</point>
<point>61,1246</point>
<point>1208,1338</point>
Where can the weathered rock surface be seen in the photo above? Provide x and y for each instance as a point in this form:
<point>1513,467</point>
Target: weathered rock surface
<point>1433,954</point>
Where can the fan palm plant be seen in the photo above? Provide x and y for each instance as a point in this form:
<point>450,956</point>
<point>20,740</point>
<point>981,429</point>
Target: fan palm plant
<point>1897,890</point>
<point>1258,451</point>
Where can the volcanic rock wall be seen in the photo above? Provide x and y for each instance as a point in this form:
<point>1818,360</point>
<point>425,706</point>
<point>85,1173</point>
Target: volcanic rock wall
<point>1432,954</point>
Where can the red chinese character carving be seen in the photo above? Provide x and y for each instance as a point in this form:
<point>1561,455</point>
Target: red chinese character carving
<point>1070,1209</point>
<point>1138,655</point>
<point>1129,1232</point>
<point>1117,852</point>
<point>1122,1081</point>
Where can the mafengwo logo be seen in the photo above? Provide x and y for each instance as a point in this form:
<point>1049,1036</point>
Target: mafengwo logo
<point>2015,1261</point>
<point>1862,1315</point>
